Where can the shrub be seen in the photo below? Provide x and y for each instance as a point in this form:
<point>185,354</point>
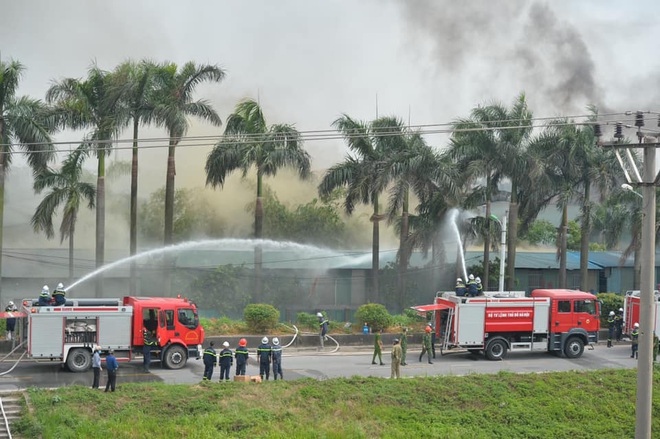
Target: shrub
<point>375,315</point>
<point>261,317</point>
<point>307,321</point>
<point>409,318</point>
<point>610,302</point>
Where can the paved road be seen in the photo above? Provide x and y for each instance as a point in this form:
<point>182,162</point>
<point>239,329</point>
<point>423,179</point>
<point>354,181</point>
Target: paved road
<point>311,364</point>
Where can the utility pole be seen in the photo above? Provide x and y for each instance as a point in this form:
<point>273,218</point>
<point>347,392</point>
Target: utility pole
<point>648,182</point>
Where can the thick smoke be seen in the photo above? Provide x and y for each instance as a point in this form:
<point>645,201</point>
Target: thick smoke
<point>508,47</point>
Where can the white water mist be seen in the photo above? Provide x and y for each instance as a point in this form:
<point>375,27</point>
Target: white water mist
<point>453,220</point>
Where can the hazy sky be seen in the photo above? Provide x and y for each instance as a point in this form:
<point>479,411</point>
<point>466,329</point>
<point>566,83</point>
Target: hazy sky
<point>309,61</point>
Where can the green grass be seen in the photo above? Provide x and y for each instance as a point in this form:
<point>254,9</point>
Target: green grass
<point>554,405</point>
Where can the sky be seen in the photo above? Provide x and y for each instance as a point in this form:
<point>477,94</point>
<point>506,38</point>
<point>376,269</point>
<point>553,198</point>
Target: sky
<point>308,62</point>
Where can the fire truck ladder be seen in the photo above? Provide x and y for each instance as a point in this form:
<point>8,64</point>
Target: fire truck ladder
<point>446,340</point>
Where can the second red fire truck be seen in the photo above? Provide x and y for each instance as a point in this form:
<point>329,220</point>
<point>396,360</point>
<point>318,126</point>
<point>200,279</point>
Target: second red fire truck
<point>554,320</point>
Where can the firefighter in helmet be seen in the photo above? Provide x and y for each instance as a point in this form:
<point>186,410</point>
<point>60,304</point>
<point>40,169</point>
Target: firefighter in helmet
<point>611,324</point>
<point>618,320</point>
<point>241,356</point>
<point>44,297</point>
<point>264,355</point>
<point>472,288</point>
<point>148,344</point>
<point>480,287</point>
<point>210,360</point>
<point>460,287</point>
<point>276,353</point>
<point>58,294</point>
<point>226,359</point>
<point>634,335</point>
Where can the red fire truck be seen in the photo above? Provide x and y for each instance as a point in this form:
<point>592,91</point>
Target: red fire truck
<point>631,311</point>
<point>561,321</point>
<point>69,333</point>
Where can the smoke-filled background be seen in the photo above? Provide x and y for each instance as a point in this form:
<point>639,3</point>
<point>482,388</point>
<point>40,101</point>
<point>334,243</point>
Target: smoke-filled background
<point>426,61</point>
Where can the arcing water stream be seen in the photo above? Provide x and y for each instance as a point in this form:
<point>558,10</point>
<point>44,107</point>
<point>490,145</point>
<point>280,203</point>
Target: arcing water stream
<point>326,258</point>
<point>453,219</point>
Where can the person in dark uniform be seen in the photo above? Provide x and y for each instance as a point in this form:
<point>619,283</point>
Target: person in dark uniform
<point>241,356</point>
<point>59,295</point>
<point>111,366</point>
<point>480,287</point>
<point>404,345</point>
<point>210,360</point>
<point>472,287</point>
<point>460,288</point>
<point>276,352</point>
<point>323,328</point>
<point>618,321</point>
<point>264,355</point>
<point>611,324</point>
<point>433,336</point>
<point>44,297</point>
<point>148,343</point>
<point>96,366</point>
<point>226,361</point>
<point>634,335</point>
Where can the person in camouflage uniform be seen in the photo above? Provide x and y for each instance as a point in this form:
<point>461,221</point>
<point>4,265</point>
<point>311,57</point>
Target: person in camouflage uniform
<point>426,345</point>
<point>404,345</point>
<point>396,359</point>
<point>378,348</point>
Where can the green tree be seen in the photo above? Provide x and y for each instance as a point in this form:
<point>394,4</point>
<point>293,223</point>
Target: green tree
<point>24,124</point>
<point>90,103</point>
<point>66,190</point>
<point>261,317</point>
<point>249,142</point>
<point>541,232</point>
<point>193,216</point>
<point>174,105</point>
<point>135,83</point>
<point>363,174</point>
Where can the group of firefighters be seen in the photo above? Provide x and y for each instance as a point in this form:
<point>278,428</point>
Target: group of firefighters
<point>57,298</point>
<point>615,331</point>
<point>472,288</point>
<point>267,354</point>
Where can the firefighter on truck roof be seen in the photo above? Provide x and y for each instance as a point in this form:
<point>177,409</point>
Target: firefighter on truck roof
<point>59,294</point>
<point>44,297</point>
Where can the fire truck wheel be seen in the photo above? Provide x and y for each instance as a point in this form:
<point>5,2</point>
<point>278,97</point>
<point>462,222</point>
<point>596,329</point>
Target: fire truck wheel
<point>79,360</point>
<point>496,350</point>
<point>175,357</point>
<point>574,347</point>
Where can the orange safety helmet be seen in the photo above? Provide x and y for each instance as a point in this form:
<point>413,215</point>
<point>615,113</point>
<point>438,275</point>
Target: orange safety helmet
<point>242,342</point>
<point>428,329</point>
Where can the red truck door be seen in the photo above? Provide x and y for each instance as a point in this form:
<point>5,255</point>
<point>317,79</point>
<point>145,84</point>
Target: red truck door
<point>585,314</point>
<point>562,315</point>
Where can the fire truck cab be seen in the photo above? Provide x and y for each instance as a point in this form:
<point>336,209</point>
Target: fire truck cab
<point>561,321</point>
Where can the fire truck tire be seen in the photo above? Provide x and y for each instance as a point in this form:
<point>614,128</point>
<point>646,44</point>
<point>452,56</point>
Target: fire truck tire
<point>496,350</point>
<point>574,347</point>
<point>175,357</point>
<point>79,360</point>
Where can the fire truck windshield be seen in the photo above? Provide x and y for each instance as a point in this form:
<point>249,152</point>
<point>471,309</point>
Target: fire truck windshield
<point>188,318</point>
<point>585,306</point>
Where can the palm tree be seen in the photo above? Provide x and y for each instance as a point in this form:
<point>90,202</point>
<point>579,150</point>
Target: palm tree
<point>135,84</point>
<point>67,189</point>
<point>24,124</point>
<point>174,104</point>
<point>249,142</point>
<point>91,103</point>
<point>364,175</point>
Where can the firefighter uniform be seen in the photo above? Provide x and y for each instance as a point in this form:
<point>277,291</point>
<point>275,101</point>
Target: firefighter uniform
<point>11,321</point>
<point>210,359</point>
<point>472,287</point>
<point>611,324</point>
<point>59,295</point>
<point>241,355</point>
<point>635,346</point>
<point>323,328</point>
<point>461,290</point>
<point>148,344</point>
<point>44,297</point>
<point>618,321</point>
<point>226,361</point>
<point>276,353</point>
<point>264,354</point>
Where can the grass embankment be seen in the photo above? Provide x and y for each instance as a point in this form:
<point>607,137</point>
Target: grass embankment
<point>555,405</point>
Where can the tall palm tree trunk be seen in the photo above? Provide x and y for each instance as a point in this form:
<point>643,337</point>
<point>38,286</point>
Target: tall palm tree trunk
<point>169,190</point>
<point>100,218</point>
<point>375,253</point>
<point>563,231</point>
<point>133,214</point>
<point>404,251</point>
<point>511,240</point>
<point>486,263</point>
<point>3,164</point>
<point>72,229</point>
<point>584,239</point>
<point>258,232</point>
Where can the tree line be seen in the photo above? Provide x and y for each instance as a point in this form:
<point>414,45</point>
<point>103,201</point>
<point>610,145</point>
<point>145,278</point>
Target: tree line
<point>389,166</point>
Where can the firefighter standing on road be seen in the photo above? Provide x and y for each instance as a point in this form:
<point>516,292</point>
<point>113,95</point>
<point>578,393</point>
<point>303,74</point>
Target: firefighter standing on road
<point>323,328</point>
<point>11,321</point>
<point>611,323</point>
<point>618,320</point>
<point>426,345</point>
<point>226,361</point>
<point>264,355</point>
<point>210,360</point>
<point>276,351</point>
<point>241,356</point>
<point>59,294</point>
<point>635,336</point>
<point>148,343</point>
